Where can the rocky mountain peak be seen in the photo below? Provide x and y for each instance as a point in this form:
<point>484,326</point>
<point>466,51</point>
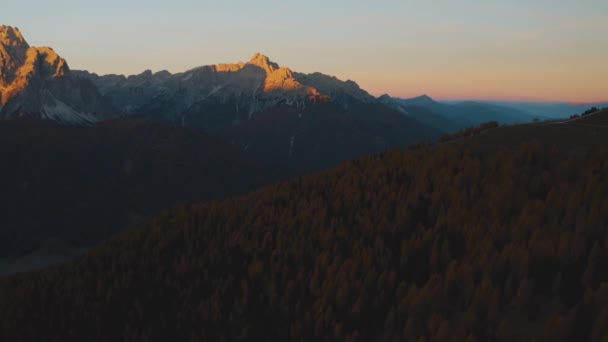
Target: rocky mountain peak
<point>263,62</point>
<point>36,82</point>
<point>277,78</point>
<point>46,61</point>
<point>13,53</point>
<point>11,37</point>
<point>19,62</point>
<point>18,72</point>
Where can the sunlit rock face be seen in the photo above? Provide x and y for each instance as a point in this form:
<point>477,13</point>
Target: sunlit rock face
<point>232,92</point>
<point>13,51</point>
<point>260,82</point>
<point>36,82</point>
<point>39,64</point>
<point>278,78</point>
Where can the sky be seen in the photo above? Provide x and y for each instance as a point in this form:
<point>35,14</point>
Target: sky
<point>517,50</point>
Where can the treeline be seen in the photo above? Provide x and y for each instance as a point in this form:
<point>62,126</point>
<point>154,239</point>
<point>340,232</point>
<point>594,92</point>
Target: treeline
<point>587,112</point>
<point>436,243</point>
<point>468,132</point>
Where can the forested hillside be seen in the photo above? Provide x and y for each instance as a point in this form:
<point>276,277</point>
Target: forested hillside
<point>461,241</point>
<point>84,184</point>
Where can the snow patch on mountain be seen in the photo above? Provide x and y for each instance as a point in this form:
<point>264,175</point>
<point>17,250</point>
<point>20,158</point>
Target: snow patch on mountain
<point>61,112</point>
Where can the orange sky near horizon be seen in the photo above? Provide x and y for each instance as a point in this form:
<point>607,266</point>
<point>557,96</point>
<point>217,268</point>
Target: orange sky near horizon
<point>584,81</point>
<point>500,85</point>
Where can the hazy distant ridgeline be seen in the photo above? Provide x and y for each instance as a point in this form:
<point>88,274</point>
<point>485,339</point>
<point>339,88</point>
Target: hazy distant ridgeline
<point>552,110</point>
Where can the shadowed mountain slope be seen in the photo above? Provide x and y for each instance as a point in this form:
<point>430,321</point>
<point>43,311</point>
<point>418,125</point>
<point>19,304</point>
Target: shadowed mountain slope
<point>484,238</point>
<point>80,185</point>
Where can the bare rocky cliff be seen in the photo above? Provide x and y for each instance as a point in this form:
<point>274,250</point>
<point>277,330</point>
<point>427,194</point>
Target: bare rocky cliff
<point>35,82</point>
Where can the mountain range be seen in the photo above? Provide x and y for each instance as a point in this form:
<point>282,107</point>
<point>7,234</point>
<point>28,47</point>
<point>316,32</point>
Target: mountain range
<point>455,116</point>
<point>278,116</point>
<point>308,121</point>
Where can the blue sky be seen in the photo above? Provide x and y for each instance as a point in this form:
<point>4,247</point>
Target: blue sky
<point>506,50</point>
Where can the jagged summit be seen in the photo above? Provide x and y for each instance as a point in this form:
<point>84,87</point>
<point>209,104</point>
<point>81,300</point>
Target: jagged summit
<point>242,87</point>
<point>274,78</point>
<point>260,74</point>
<point>263,62</point>
<point>11,36</point>
<point>13,52</point>
<point>36,82</point>
<point>18,59</point>
<point>20,64</point>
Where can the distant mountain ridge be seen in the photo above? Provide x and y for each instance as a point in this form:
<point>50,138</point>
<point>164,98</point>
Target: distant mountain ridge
<point>454,116</point>
<point>302,121</point>
<point>308,121</point>
<point>551,110</point>
<point>248,88</point>
<point>279,116</point>
<point>37,82</point>
<point>423,109</point>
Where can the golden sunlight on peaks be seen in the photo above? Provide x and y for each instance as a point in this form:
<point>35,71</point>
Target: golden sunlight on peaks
<point>278,78</point>
<point>13,49</point>
<point>10,36</point>
<point>263,62</point>
<point>42,62</point>
<point>281,79</point>
<point>46,58</point>
<point>271,76</point>
<point>259,74</point>
<point>228,67</point>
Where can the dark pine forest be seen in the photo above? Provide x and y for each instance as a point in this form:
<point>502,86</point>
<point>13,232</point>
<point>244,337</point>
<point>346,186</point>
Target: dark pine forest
<point>500,235</point>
